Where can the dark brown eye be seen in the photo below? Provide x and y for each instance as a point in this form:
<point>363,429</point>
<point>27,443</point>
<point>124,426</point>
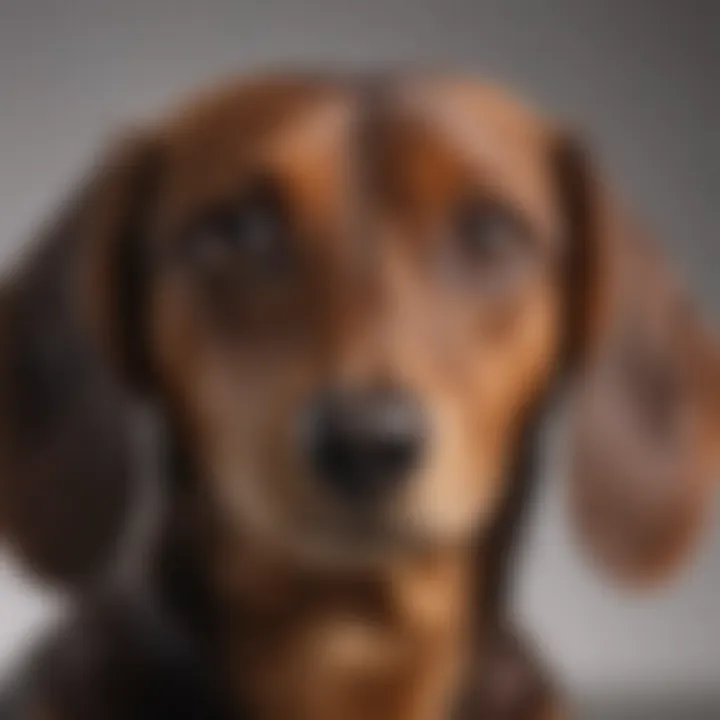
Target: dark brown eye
<point>249,236</point>
<point>488,243</point>
<point>488,232</point>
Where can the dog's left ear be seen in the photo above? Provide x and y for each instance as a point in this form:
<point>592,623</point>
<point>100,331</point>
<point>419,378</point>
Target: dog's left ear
<point>645,371</point>
<point>70,351</point>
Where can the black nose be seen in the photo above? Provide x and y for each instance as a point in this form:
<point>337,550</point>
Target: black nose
<point>364,443</point>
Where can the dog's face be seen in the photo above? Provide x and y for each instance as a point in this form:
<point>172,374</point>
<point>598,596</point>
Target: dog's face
<point>355,302</point>
<point>350,297</point>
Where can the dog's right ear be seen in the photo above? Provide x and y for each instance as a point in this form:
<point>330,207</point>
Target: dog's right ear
<point>70,348</point>
<point>645,414</point>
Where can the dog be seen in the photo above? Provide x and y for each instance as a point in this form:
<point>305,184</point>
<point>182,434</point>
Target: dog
<point>350,301</point>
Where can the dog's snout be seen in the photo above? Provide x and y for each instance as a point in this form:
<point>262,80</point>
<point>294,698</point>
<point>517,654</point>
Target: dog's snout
<point>364,443</point>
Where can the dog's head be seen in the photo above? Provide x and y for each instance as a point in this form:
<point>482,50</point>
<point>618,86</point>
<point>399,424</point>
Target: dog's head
<point>349,297</point>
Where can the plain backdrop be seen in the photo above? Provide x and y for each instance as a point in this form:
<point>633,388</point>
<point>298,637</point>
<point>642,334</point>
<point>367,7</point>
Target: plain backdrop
<point>640,77</point>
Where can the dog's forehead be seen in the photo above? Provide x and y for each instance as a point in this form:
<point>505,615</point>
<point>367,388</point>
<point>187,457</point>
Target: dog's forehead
<point>311,129</point>
<point>485,119</point>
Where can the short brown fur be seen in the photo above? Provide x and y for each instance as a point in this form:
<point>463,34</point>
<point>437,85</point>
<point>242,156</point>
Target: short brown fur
<point>297,614</point>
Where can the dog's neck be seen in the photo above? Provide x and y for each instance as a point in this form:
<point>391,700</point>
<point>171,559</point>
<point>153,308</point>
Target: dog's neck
<point>382,645</point>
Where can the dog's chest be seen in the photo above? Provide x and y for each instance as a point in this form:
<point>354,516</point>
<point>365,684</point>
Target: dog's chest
<point>347,658</point>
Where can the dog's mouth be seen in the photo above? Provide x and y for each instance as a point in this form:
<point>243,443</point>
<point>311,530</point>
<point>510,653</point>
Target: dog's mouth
<point>325,530</point>
<point>364,524</point>
<point>363,536</point>
<point>312,524</point>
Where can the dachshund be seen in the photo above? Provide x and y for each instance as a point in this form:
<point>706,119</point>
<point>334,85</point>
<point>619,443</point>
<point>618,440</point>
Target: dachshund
<point>349,302</point>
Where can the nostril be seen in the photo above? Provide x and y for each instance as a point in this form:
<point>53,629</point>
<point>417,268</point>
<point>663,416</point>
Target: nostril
<point>363,444</point>
<point>395,456</point>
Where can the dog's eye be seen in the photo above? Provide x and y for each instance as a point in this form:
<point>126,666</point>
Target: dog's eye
<point>249,235</point>
<point>487,234</point>
<point>257,231</point>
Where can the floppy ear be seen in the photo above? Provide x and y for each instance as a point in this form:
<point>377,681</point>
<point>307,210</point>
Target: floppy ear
<point>69,345</point>
<point>645,413</point>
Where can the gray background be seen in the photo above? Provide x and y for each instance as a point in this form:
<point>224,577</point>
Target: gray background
<point>641,77</point>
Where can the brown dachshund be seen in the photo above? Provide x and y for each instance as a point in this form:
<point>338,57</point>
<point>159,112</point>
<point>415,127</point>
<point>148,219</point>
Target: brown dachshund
<point>348,303</point>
